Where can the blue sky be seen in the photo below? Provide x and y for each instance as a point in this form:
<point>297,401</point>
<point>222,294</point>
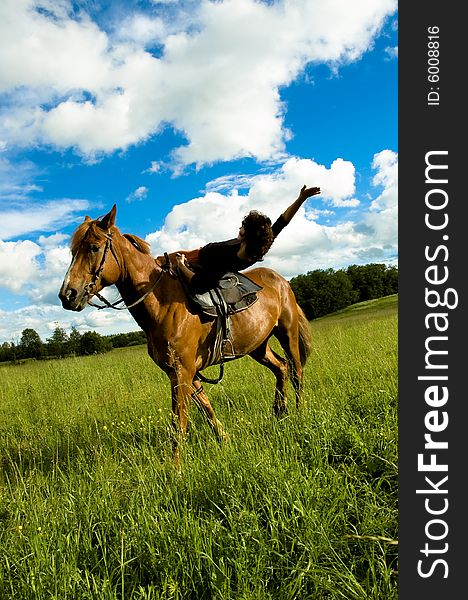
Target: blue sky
<point>187,115</point>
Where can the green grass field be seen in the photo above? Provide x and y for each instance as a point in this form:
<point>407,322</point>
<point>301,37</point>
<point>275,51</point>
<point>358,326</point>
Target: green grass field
<point>304,508</point>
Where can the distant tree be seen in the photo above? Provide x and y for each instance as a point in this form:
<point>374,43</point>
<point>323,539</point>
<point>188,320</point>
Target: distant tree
<point>121,340</point>
<point>93,343</point>
<point>7,352</point>
<point>342,289</point>
<point>368,280</point>
<point>323,291</point>
<point>73,344</point>
<point>30,344</point>
<point>118,340</point>
<point>391,281</point>
<point>302,288</point>
<point>4,351</point>
<point>57,343</point>
<point>15,354</point>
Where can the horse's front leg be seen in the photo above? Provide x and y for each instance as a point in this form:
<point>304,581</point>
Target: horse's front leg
<point>203,403</point>
<point>181,387</point>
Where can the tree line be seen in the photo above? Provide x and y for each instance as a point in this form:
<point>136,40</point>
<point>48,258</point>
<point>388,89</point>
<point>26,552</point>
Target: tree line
<point>61,344</point>
<point>318,292</point>
<point>325,291</point>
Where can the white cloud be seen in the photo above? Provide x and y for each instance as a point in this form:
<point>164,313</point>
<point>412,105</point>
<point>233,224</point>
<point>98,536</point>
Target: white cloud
<point>386,165</point>
<point>70,84</point>
<point>230,182</point>
<point>45,216</point>
<point>18,264</point>
<point>107,320</point>
<point>52,241</point>
<point>337,183</point>
<point>381,220</point>
<point>49,277</point>
<point>16,180</point>
<point>139,194</point>
<point>59,53</point>
<point>142,30</point>
<point>37,317</point>
<point>155,167</point>
<point>35,269</point>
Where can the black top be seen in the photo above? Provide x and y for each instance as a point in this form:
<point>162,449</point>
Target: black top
<point>218,258</point>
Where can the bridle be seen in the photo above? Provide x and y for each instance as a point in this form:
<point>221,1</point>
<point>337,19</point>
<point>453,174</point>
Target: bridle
<point>89,287</point>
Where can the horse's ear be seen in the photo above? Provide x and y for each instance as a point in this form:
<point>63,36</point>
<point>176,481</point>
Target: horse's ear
<point>108,220</point>
<point>87,218</point>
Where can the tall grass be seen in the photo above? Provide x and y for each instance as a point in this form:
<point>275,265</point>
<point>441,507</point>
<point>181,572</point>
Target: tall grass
<point>92,508</point>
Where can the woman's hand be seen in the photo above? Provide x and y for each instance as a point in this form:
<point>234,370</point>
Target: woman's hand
<point>180,259</point>
<point>183,266</point>
<point>308,192</point>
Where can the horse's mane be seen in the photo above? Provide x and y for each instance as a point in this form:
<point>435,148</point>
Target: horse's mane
<point>91,230</point>
<point>139,244</point>
<point>87,228</point>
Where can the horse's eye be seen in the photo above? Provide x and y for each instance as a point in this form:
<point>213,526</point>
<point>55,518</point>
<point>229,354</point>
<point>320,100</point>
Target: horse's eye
<point>93,248</point>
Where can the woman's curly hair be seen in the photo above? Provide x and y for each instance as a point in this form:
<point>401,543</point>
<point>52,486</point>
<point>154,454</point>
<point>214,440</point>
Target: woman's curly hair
<point>258,234</point>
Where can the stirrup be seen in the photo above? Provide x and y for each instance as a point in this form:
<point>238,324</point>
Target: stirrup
<point>223,346</point>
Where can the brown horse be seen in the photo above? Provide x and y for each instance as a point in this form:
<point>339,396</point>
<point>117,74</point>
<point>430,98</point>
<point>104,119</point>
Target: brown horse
<point>180,342</point>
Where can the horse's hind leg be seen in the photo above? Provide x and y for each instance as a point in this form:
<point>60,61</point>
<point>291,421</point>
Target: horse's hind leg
<point>204,405</point>
<point>288,339</point>
<point>279,367</point>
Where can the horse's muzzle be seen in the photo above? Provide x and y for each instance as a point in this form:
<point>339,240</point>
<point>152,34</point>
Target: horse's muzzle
<point>71,300</point>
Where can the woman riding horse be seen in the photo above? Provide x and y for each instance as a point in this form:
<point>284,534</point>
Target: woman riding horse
<point>180,342</point>
<point>255,238</point>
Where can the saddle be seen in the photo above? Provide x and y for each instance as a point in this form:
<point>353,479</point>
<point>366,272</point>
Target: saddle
<point>234,293</point>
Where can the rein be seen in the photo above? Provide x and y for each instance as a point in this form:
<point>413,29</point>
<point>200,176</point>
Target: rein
<point>113,305</point>
<point>92,284</point>
<point>212,381</point>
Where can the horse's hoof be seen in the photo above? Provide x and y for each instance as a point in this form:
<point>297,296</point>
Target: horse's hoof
<point>220,433</point>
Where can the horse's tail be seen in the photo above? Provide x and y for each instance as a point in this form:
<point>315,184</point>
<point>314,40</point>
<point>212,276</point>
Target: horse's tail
<point>305,336</point>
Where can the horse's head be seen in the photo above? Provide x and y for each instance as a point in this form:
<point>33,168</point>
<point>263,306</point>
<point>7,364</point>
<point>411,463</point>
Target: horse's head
<point>94,264</point>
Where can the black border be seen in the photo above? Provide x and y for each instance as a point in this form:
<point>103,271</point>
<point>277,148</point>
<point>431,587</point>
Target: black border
<point>424,128</point>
